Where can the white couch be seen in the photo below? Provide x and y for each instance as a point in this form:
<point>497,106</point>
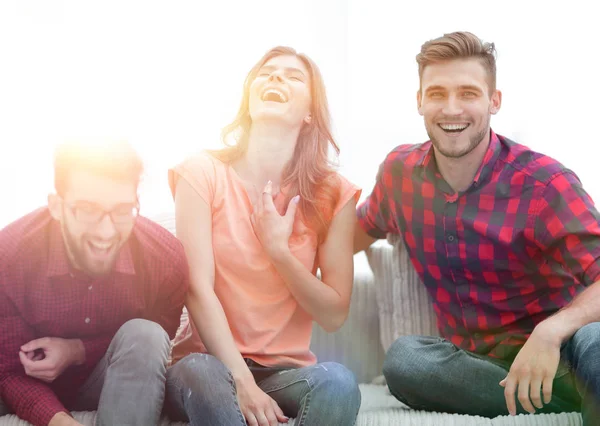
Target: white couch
<point>382,278</point>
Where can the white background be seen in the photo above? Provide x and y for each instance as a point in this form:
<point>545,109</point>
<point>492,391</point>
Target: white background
<point>167,75</point>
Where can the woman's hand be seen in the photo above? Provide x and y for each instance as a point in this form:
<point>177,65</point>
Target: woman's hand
<point>272,229</point>
<point>258,408</point>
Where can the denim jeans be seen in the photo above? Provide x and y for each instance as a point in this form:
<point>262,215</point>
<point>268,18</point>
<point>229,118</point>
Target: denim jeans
<point>127,386</point>
<point>201,390</point>
<point>430,373</point>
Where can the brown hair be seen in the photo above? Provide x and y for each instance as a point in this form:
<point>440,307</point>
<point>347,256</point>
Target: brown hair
<point>309,173</point>
<point>115,160</point>
<point>459,45</point>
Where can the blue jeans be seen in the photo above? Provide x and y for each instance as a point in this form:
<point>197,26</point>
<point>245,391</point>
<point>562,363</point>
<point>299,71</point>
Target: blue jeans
<point>127,386</point>
<point>430,373</point>
<point>201,390</point>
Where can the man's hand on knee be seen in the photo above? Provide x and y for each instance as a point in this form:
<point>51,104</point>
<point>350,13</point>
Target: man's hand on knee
<point>46,358</point>
<point>532,373</point>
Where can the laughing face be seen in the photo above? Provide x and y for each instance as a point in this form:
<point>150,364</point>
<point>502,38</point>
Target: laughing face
<point>281,91</point>
<point>456,104</point>
<point>96,216</point>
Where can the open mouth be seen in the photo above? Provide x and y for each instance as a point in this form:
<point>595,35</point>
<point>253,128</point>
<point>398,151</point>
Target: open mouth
<point>453,128</point>
<point>100,249</point>
<point>274,95</point>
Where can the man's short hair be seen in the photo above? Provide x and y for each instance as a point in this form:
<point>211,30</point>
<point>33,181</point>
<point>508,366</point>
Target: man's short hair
<point>459,45</point>
<point>115,160</point>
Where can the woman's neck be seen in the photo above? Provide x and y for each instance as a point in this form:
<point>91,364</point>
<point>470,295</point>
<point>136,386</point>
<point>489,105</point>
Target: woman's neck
<point>270,148</point>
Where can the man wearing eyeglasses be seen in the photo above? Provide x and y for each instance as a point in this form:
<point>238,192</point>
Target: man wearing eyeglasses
<point>90,295</point>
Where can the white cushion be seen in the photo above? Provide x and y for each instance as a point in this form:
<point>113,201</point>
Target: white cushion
<point>404,304</point>
<point>356,344</point>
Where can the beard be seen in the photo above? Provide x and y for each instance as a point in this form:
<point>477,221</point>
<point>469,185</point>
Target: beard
<point>446,151</point>
<point>76,247</point>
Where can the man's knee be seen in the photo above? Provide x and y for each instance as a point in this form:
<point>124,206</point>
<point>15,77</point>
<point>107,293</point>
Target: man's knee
<point>402,357</point>
<point>143,337</point>
<point>410,358</point>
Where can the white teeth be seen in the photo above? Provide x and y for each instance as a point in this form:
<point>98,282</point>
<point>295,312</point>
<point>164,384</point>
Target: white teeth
<point>453,126</point>
<point>276,92</point>
<point>101,246</point>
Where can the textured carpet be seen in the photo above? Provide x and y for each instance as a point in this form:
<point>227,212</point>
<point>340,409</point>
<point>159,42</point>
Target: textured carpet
<point>379,408</point>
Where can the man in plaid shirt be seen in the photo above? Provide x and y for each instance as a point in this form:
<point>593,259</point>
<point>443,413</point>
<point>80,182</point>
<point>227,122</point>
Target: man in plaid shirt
<point>507,243</point>
<point>90,294</point>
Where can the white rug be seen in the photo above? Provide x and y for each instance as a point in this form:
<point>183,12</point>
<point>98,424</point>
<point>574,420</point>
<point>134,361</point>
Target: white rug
<point>379,408</point>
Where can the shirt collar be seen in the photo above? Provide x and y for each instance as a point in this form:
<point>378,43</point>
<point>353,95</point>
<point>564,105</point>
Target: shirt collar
<point>489,159</point>
<point>427,156</point>
<point>428,159</point>
<point>58,260</point>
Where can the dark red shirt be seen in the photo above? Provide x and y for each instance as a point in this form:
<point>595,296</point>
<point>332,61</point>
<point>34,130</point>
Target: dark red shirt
<point>41,295</point>
<point>497,259</point>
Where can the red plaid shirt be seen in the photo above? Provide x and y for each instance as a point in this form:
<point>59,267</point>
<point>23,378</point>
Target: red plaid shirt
<point>500,257</point>
<point>42,296</point>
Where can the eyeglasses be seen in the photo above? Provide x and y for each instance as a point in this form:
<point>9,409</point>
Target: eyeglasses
<point>91,213</point>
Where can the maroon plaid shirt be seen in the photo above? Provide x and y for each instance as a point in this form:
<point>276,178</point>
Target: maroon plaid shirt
<point>42,296</point>
<point>502,256</point>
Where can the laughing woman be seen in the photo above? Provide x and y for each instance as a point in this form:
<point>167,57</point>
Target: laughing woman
<point>257,219</point>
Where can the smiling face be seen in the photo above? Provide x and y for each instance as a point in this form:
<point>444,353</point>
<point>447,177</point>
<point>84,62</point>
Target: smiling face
<point>92,237</point>
<point>456,104</point>
<point>281,91</point>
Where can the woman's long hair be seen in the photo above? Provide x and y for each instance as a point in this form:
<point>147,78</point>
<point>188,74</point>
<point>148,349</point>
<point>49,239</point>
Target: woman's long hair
<point>309,172</point>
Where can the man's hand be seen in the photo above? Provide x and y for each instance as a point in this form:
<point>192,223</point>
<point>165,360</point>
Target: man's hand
<point>63,419</point>
<point>533,370</point>
<point>46,358</point>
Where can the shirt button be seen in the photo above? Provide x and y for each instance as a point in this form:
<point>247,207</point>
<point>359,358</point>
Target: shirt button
<point>450,237</point>
<point>90,288</point>
<point>71,274</point>
<point>87,320</point>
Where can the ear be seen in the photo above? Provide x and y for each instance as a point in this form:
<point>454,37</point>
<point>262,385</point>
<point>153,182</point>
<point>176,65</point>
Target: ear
<point>495,102</point>
<point>55,206</point>
<point>419,104</point>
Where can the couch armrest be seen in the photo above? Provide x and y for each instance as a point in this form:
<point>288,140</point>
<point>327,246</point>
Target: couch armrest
<point>356,344</point>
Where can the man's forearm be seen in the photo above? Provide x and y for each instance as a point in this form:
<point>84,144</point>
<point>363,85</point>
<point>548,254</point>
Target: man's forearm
<point>583,310</point>
<point>78,351</point>
<point>30,399</point>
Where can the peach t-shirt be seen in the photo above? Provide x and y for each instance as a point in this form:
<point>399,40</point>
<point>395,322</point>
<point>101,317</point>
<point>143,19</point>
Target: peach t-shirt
<point>266,322</point>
